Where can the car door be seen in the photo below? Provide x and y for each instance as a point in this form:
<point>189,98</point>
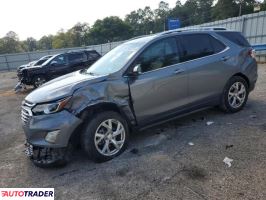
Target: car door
<point>208,70</point>
<point>59,66</point>
<point>161,85</point>
<point>77,61</point>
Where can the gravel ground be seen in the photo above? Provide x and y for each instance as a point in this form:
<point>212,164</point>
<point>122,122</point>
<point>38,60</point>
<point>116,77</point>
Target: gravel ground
<point>159,163</point>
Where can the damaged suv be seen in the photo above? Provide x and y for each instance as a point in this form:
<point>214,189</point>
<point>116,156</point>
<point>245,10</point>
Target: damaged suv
<point>138,84</point>
<point>56,66</point>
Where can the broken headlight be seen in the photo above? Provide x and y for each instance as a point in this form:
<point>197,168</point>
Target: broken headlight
<point>50,108</point>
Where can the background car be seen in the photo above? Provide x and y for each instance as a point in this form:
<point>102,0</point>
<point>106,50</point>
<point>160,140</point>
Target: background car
<point>35,62</point>
<point>56,66</point>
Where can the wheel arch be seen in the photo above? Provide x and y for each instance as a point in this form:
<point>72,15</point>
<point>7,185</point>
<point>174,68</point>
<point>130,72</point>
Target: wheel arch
<point>243,76</point>
<point>92,110</point>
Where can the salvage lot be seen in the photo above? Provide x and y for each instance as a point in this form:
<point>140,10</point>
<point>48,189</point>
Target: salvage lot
<point>159,163</point>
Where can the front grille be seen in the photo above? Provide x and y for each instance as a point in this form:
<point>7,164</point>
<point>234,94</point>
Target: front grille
<point>26,111</point>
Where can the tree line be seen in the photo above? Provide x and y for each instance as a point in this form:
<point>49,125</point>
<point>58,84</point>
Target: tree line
<point>138,22</point>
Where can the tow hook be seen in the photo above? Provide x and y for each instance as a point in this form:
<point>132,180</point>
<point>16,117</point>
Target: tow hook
<point>28,150</point>
<point>19,87</point>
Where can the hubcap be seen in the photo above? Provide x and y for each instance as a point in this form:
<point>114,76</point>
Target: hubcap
<point>237,94</point>
<point>39,81</point>
<point>109,137</point>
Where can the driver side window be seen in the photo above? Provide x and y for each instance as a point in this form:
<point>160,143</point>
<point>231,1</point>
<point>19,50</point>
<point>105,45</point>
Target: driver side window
<point>59,60</point>
<point>160,54</point>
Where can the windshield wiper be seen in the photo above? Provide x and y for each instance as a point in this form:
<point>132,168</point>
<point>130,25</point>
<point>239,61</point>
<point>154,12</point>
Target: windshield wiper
<point>91,73</point>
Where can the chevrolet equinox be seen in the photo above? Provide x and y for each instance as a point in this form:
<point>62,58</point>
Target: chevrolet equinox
<point>143,82</point>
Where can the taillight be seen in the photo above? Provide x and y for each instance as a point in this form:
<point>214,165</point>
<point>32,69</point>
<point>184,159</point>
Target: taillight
<point>252,53</point>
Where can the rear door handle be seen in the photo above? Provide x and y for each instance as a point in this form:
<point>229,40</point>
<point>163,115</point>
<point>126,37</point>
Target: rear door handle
<point>179,71</point>
<point>225,58</point>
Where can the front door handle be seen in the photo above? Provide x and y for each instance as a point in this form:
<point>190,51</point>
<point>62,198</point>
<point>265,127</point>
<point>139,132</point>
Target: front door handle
<point>179,71</point>
<point>225,58</point>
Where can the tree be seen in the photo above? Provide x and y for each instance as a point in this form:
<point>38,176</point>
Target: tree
<point>224,9</point>
<point>204,10</point>
<point>110,29</point>
<point>78,33</point>
<point>245,6</point>
<point>30,44</point>
<point>161,15</point>
<point>263,5</point>
<point>45,42</point>
<point>10,43</point>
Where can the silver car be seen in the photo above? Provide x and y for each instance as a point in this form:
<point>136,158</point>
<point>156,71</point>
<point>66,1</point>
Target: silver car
<point>138,84</point>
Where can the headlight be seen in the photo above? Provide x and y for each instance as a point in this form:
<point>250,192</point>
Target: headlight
<point>50,108</point>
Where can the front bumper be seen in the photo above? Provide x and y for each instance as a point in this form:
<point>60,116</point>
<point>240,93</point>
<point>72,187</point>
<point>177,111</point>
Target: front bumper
<point>36,128</point>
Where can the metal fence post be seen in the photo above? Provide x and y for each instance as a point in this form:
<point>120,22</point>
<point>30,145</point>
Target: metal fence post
<point>7,64</point>
<point>101,49</point>
<point>243,24</point>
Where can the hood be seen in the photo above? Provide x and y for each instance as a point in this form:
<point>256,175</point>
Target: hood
<point>62,87</point>
<point>23,66</point>
<point>29,67</point>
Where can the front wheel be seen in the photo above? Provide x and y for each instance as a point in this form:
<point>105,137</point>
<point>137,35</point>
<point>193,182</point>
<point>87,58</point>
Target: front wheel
<point>105,136</point>
<point>235,95</point>
<point>38,81</point>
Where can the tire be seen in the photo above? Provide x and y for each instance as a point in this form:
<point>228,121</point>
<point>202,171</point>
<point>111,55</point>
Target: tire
<point>38,81</point>
<point>236,90</point>
<point>97,146</point>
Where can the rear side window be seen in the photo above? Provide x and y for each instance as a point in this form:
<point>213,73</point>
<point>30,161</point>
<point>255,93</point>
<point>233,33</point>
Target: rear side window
<point>93,55</point>
<point>217,45</point>
<point>236,38</point>
<point>76,57</point>
<point>197,46</point>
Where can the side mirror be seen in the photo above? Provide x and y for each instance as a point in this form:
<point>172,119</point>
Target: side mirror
<point>136,70</point>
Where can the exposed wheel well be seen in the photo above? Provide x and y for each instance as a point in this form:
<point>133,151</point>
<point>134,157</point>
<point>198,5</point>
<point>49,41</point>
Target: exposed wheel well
<point>244,77</point>
<point>91,111</point>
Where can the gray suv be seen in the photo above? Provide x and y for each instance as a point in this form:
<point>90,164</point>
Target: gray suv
<point>143,82</point>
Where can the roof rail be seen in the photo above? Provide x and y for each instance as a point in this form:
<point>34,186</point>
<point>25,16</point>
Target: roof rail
<point>78,50</point>
<point>199,28</point>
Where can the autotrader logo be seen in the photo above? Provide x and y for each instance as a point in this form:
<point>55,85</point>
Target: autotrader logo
<point>27,193</point>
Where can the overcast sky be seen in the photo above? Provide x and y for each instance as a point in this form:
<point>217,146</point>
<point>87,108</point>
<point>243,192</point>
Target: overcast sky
<point>35,18</point>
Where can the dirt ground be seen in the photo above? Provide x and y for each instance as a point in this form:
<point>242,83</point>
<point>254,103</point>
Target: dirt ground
<point>159,163</point>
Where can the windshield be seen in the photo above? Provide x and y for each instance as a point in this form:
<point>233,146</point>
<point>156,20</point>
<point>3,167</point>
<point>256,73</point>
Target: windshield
<point>40,62</point>
<point>47,61</point>
<point>115,59</point>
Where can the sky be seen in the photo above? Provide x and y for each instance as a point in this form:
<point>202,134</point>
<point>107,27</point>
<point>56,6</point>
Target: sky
<point>36,18</point>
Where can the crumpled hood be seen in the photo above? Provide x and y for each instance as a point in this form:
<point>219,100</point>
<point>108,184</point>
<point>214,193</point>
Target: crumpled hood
<point>62,87</point>
<point>33,67</point>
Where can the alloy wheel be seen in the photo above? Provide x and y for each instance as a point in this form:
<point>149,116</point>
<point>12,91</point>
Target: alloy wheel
<point>109,137</point>
<point>237,94</point>
<point>39,81</point>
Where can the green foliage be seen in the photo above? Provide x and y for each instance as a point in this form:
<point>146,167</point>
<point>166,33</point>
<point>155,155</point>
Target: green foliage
<point>110,29</point>
<point>263,5</point>
<point>139,22</point>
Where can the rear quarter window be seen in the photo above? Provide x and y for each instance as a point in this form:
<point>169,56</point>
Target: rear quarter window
<point>235,37</point>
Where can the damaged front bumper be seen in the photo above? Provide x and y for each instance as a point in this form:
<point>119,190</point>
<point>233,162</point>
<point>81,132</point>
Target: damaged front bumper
<point>47,137</point>
<point>50,131</point>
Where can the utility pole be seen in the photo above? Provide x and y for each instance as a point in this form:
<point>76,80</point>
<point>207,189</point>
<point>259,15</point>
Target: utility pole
<point>240,7</point>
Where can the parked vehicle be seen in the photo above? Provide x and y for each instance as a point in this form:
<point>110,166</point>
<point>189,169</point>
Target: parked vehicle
<point>56,66</point>
<point>35,62</point>
<point>143,82</point>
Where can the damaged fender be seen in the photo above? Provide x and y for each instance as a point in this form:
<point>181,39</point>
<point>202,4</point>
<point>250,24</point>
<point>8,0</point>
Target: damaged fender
<point>115,93</point>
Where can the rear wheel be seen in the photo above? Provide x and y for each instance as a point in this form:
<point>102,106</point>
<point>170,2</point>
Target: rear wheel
<point>235,95</point>
<point>38,81</point>
<point>105,136</point>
